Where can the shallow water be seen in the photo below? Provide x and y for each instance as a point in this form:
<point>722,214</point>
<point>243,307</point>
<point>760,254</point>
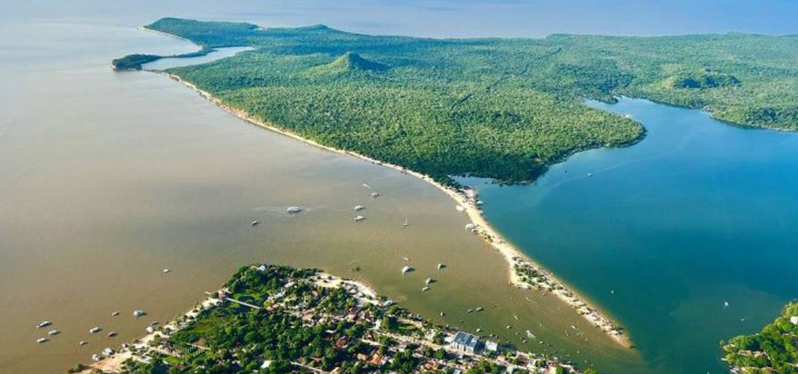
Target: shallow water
<point>662,233</point>
<point>109,177</point>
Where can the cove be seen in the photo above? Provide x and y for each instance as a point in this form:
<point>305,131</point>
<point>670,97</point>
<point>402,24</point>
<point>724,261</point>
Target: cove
<point>662,233</point>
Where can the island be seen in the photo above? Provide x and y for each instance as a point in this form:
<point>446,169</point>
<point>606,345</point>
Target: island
<point>504,109</point>
<point>773,350</point>
<point>277,319</point>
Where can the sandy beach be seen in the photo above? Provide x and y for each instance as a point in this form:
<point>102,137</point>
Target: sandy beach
<point>467,200</point>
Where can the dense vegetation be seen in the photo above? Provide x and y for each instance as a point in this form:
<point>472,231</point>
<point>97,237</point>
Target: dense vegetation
<point>500,108</point>
<point>773,350</point>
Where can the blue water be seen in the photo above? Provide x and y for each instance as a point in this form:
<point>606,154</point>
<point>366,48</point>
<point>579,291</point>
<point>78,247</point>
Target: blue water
<point>698,213</point>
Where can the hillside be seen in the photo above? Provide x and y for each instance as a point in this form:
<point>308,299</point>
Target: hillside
<point>497,108</point>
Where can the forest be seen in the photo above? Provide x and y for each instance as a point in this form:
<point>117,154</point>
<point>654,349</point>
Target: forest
<point>773,350</point>
<point>496,108</point>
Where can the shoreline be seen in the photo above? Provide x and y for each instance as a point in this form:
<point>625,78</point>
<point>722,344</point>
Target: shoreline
<point>522,271</point>
<point>140,349</point>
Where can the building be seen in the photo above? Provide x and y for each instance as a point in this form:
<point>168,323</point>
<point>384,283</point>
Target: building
<point>465,343</point>
<point>794,320</point>
<point>491,346</point>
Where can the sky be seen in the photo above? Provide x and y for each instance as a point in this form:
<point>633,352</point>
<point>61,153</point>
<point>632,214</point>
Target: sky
<point>446,18</point>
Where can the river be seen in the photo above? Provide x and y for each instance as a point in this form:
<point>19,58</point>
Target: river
<point>108,178</point>
<point>666,231</point>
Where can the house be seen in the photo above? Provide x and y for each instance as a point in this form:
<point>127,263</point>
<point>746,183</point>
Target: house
<point>491,346</point>
<point>794,320</point>
<point>465,342</point>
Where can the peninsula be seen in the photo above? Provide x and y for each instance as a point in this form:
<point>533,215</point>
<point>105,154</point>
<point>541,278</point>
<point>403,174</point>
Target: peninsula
<point>273,319</point>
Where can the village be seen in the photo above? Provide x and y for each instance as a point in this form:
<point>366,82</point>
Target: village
<point>271,319</point>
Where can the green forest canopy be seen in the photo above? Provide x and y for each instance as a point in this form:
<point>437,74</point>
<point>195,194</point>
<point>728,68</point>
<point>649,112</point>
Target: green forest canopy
<point>498,108</point>
<point>773,350</point>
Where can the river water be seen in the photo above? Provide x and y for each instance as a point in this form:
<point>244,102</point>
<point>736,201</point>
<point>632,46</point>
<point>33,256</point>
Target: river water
<point>665,232</point>
<point>107,178</point>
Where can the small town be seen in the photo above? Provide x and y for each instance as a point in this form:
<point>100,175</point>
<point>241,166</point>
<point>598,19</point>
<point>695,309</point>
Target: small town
<point>273,319</point>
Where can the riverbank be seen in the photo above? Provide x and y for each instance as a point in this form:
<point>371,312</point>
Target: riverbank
<point>522,271</point>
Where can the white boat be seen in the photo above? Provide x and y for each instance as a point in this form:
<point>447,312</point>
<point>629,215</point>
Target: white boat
<point>255,223</point>
<point>470,227</point>
<point>442,314</point>
<point>43,324</point>
<point>293,209</point>
<point>407,269</point>
<point>425,289</point>
<point>96,357</point>
<point>589,174</point>
<point>165,271</point>
<point>359,208</point>
<point>95,330</point>
<point>108,351</point>
<point>479,331</point>
<point>359,218</point>
<point>406,223</point>
<point>53,332</point>
<point>149,329</point>
<point>41,340</point>
<point>459,208</point>
<point>83,342</point>
<point>112,334</point>
<point>138,313</point>
<point>367,186</point>
<point>441,266</point>
<point>480,202</point>
<point>428,281</point>
<point>479,309</point>
<point>114,314</point>
<point>374,194</point>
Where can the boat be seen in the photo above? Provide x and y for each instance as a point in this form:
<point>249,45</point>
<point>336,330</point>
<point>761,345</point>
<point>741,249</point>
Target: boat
<point>480,202</point>
<point>112,334</point>
<point>293,209</point>
<point>479,309</point>
<point>406,223</point>
<point>114,314</point>
<point>442,314</point>
<point>43,324</point>
<point>165,271</point>
<point>406,259</point>
<point>108,351</point>
<point>425,289</point>
<point>83,342</point>
<point>255,223</point>
<point>479,331</point>
<point>367,186</point>
<point>470,311</point>
<point>138,313</point>
<point>359,208</point>
<point>530,334</point>
<point>95,330</point>
<point>407,269</point>
<point>149,329</point>
<point>359,218</point>
<point>428,281</point>
<point>470,227</point>
<point>374,194</point>
<point>96,357</point>
<point>441,266</point>
<point>41,340</point>
<point>589,174</point>
<point>53,332</point>
<point>459,208</point>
